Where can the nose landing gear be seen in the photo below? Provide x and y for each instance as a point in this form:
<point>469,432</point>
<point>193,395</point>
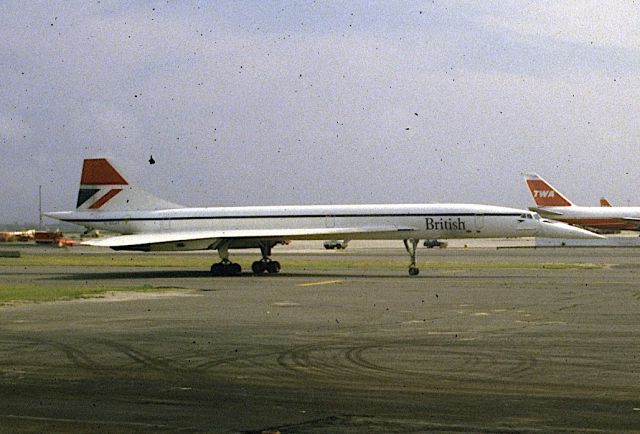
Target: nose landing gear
<point>411,245</point>
<point>225,267</point>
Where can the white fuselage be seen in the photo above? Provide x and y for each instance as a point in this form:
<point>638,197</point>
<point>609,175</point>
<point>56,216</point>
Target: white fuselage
<point>429,221</point>
<point>106,200</point>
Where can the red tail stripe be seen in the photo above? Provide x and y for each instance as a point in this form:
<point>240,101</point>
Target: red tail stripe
<point>106,198</point>
<point>98,171</point>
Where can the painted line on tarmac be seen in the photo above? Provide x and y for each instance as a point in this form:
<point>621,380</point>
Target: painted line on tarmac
<point>323,282</point>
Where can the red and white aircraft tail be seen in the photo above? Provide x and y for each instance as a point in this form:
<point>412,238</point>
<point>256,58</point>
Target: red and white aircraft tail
<point>604,202</point>
<point>543,193</point>
<point>103,188</point>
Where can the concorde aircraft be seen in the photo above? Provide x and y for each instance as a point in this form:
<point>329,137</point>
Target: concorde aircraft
<point>107,201</point>
<point>552,204</point>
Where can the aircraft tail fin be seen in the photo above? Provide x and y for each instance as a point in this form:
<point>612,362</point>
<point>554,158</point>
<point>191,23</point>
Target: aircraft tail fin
<point>604,202</point>
<point>543,193</point>
<point>103,188</point>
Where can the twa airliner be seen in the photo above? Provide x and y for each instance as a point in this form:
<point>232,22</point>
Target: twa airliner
<point>107,201</point>
<point>605,218</point>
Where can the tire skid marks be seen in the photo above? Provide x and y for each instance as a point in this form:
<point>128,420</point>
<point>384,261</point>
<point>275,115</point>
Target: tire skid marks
<point>356,356</point>
<point>426,358</point>
<point>187,363</point>
<point>139,357</point>
<point>76,356</point>
<point>467,360</point>
<point>389,360</point>
<point>329,361</point>
<point>253,360</point>
<point>384,359</point>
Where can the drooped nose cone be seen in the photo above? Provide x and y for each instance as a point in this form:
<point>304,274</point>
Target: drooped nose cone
<point>551,229</point>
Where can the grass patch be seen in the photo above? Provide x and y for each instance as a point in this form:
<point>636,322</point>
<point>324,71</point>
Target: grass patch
<point>26,293</point>
<point>111,260</point>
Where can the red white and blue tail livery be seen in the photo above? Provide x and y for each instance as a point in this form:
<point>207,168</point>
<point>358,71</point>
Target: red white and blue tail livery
<point>103,188</point>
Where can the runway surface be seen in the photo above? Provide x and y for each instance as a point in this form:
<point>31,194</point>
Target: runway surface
<point>491,348</point>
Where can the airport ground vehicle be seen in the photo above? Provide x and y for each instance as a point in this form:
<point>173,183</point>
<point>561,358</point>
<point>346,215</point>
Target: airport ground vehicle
<point>430,244</point>
<point>335,244</point>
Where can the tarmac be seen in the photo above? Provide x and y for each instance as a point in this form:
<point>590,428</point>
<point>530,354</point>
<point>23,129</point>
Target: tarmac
<point>491,348</point>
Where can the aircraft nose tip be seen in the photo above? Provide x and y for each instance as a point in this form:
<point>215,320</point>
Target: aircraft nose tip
<point>596,236</point>
<point>562,230</point>
<point>590,236</point>
<point>584,233</point>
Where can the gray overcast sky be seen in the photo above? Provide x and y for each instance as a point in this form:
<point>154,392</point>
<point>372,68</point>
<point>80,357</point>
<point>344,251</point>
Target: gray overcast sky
<point>279,102</point>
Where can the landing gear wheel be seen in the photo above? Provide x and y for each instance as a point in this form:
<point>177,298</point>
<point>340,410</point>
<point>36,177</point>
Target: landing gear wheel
<point>217,269</point>
<point>258,267</point>
<point>265,264</point>
<point>273,267</point>
<point>414,271</point>
<point>226,269</point>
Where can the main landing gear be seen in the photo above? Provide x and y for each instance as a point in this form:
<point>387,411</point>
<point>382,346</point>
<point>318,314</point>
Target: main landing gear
<point>265,264</point>
<point>411,245</point>
<point>225,267</point>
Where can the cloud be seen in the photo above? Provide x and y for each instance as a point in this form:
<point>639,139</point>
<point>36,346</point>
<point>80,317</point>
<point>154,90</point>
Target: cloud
<point>10,129</point>
<point>593,23</point>
<point>255,105</point>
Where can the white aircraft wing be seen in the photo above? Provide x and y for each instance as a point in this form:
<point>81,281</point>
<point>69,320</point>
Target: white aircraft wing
<point>545,211</point>
<point>288,234</point>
